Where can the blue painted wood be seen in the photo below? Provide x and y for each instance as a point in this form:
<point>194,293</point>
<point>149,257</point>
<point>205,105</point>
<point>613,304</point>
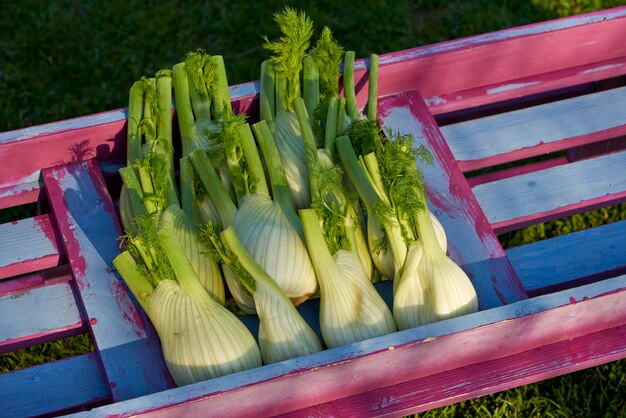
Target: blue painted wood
<point>538,125</point>
<point>37,314</point>
<point>124,338</point>
<point>568,259</point>
<point>52,387</point>
<point>529,332</point>
<point>554,190</point>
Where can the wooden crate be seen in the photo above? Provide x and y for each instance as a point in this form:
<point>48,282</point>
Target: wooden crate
<point>484,106</point>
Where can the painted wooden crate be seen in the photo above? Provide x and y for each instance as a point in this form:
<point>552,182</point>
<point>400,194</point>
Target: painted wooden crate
<point>484,105</point>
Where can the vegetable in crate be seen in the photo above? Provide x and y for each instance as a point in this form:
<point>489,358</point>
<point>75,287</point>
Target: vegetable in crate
<point>428,285</point>
<point>350,307</point>
<point>200,338</point>
<point>267,226</point>
<point>272,261</point>
<point>149,184</point>
<point>283,333</point>
<point>202,96</point>
<point>280,85</point>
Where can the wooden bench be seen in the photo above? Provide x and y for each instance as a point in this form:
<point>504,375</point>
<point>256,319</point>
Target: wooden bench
<point>487,107</point>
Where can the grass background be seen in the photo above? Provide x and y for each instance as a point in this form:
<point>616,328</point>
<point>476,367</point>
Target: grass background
<point>63,59</point>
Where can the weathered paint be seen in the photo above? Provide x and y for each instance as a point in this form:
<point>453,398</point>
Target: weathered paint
<point>554,192</point>
<point>28,245</point>
<point>572,259</point>
<point>418,353</point>
<point>87,221</point>
<point>509,87</point>
<point>53,388</point>
<point>478,379</point>
<point>537,130</point>
<point>38,315</point>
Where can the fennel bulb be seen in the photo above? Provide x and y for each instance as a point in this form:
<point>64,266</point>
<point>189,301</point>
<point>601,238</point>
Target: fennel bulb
<point>283,333</point>
<point>206,269</point>
<point>200,338</point>
<point>350,307</point>
<point>270,238</point>
<point>431,287</point>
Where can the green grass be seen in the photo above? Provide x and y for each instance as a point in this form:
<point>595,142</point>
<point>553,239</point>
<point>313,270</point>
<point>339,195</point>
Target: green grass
<point>65,59</point>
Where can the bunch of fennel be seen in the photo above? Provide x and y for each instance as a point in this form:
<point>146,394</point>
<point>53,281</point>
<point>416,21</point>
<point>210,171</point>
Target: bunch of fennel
<point>149,147</point>
<point>149,183</point>
<point>267,225</point>
<point>200,338</point>
<point>260,244</point>
<point>428,285</point>
<point>283,333</point>
<point>350,307</point>
<point>202,98</point>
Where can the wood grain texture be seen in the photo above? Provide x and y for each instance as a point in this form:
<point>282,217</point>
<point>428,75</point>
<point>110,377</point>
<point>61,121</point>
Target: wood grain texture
<point>571,259</point>
<point>555,192</point>
<point>28,245</point>
<point>471,242</point>
<point>53,388</point>
<point>538,129</point>
<point>526,88</point>
<point>394,359</point>
<point>38,315</point>
<point>125,340</point>
<point>479,379</point>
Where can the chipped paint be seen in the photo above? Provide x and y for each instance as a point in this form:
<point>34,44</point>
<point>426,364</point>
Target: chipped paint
<point>435,101</point>
<point>522,31</point>
<point>509,87</point>
<point>601,68</point>
<point>62,126</point>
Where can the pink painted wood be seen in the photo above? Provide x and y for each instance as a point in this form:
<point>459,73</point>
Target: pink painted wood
<point>386,363</point>
<point>478,379</point>
<point>127,344</point>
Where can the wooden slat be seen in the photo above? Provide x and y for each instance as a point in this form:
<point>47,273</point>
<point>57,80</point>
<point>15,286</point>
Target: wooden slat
<point>490,176</point>
<point>396,358</point>
<point>125,340</point>
<point>471,241</point>
<point>526,89</point>
<point>38,315</point>
<point>53,387</point>
<point>490,61</point>
<point>537,130</point>
<point>35,280</point>
<point>543,195</point>
<point>26,191</point>
<point>479,379</point>
<point>571,259</point>
<point>500,59</point>
<point>28,245</point>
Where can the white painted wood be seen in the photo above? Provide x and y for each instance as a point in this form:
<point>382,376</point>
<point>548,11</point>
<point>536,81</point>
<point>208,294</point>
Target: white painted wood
<point>554,188</point>
<point>24,240</point>
<point>547,123</point>
<point>36,312</point>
